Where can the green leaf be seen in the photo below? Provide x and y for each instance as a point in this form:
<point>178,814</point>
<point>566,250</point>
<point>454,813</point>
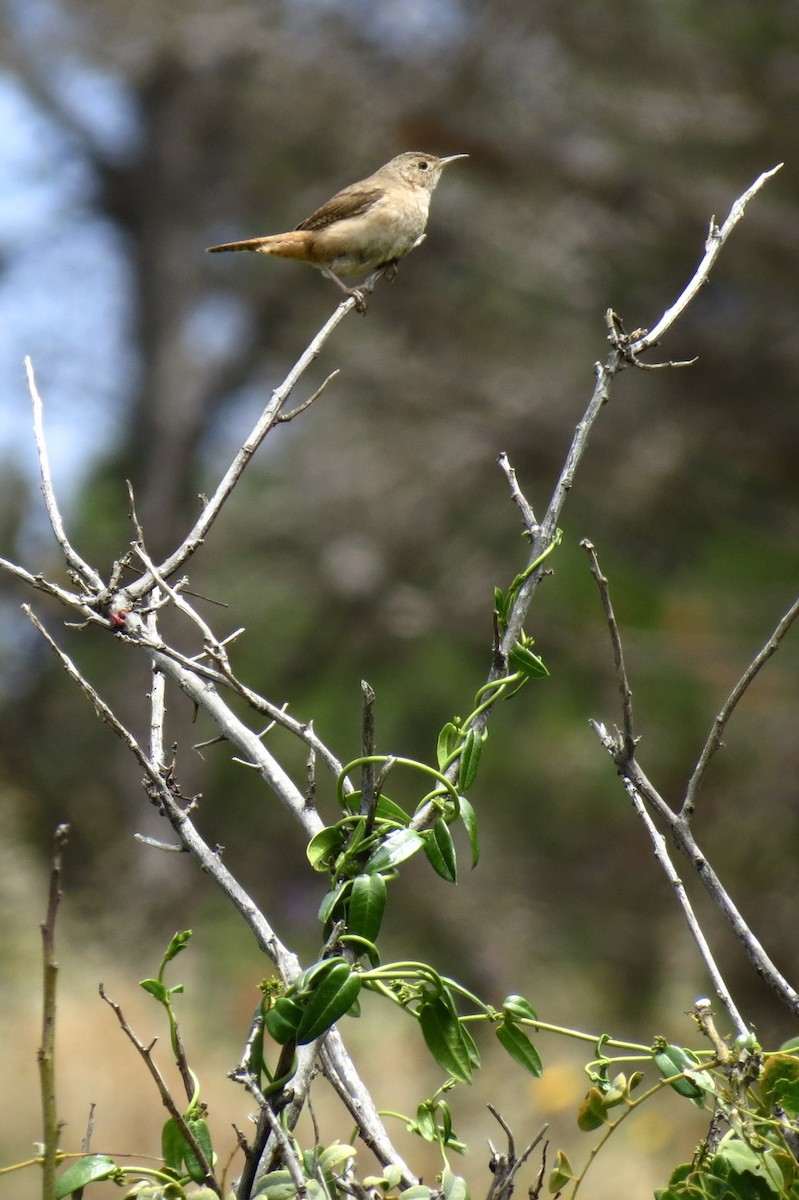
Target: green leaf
<point>592,1113</point>
<point>332,900</point>
<point>454,1187</point>
<point>417,1192</point>
<point>445,1113</point>
<point>310,976</point>
<point>673,1060</point>
<point>202,1136</point>
<point>425,1124</point>
<point>517,1008</point>
<point>447,742</point>
<point>440,850</point>
<point>335,992</point>
<point>155,988</point>
<point>471,1047</point>
<point>392,1175</point>
<point>743,1159</point>
<point>519,1047</point>
<point>179,943</point>
<point>779,1082</point>
<point>443,1033</point>
<point>283,1019</point>
<point>561,1173</point>
<point>336,1155</point>
<point>523,659</point>
<point>172,1146</point>
<point>387,810</point>
<point>277,1185</point>
<point>367,905</point>
<point>470,758</point>
<point>469,818</point>
<point>400,845</point>
<point>86,1170</point>
<point>501,606</point>
<point>255,1059</point>
<point>325,846</point>
<point>618,1091</point>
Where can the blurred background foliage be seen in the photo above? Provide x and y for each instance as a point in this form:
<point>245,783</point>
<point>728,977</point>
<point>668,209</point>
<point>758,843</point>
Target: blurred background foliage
<point>366,538</point>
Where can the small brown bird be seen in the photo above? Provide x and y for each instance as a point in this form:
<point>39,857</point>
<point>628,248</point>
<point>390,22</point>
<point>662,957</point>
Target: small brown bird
<point>368,226</point>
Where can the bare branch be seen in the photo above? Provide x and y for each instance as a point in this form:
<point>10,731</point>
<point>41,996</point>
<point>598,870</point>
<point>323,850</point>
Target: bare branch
<point>368,794</point>
<point>267,419</point>
<point>505,1167</point>
<point>618,654</point>
<point>135,633</point>
<point>205,696</point>
<point>69,599</point>
<point>85,574</point>
<point>670,871</point>
<point>167,847</point>
<point>146,1053</point>
<point>715,240</point>
<point>295,412</point>
<point>157,702</point>
<point>522,503</point>
<point>633,777</point>
<point>604,378</point>
<point>180,821</point>
<point>50,1124</point>
<point>341,1074</point>
<point>338,1065</point>
<point>547,530</point>
<point>714,739</point>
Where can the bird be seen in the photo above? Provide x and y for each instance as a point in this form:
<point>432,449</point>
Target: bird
<point>366,227</point>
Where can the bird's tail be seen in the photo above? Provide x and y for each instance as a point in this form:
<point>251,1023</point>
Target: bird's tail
<point>286,245</point>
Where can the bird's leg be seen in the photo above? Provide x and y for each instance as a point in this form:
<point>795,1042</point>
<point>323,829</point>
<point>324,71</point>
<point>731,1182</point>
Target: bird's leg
<point>388,269</point>
<point>365,289</point>
<point>356,293</point>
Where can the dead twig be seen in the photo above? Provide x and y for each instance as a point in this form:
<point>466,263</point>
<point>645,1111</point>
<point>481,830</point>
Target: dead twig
<point>146,1054</point>
<point>630,739</point>
<point>714,739</point>
<point>51,1127</point>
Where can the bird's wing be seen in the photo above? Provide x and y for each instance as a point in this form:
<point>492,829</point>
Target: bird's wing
<point>353,201</point>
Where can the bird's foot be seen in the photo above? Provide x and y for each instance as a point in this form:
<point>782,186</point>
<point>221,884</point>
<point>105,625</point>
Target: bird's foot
<point>359,297</point>
<point>357,294</point>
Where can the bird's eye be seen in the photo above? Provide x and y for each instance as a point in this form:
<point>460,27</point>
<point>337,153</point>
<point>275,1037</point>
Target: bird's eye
<point>423,164</point>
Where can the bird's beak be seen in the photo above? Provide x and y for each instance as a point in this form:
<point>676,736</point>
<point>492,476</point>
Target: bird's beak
<point>452,158</point>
